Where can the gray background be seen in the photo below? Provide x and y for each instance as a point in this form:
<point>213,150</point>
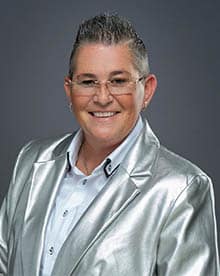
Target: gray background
<point>183,39</point>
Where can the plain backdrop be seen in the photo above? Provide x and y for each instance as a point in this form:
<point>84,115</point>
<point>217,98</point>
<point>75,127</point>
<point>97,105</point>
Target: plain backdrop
<point>183,41</point>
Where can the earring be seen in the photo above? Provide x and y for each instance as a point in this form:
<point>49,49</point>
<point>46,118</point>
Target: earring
<point>70,107</point>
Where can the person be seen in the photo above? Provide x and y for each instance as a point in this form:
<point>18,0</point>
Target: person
<point>108,199</point>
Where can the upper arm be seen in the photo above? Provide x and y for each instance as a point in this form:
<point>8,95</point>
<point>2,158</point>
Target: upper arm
<point>3,238</point>
<point>188,241</point>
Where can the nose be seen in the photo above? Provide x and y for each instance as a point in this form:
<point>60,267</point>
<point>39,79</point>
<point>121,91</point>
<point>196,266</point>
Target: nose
<point>102,95</point>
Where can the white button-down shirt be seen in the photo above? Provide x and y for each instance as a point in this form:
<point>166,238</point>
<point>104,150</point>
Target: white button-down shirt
<point>75,194</point>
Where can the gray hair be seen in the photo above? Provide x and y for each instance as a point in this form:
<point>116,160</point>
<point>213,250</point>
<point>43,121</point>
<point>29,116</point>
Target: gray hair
<point>111,29</point>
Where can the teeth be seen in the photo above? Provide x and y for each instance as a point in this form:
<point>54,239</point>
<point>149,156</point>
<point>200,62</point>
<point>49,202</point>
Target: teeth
<point>103,114</point>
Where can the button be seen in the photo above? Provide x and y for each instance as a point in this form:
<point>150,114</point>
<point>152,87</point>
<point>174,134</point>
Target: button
<point>65,213</point>
<point>51,250</point>
<point>84,181</point>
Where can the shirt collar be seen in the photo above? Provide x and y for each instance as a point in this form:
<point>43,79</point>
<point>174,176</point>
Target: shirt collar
<point>113,160</point>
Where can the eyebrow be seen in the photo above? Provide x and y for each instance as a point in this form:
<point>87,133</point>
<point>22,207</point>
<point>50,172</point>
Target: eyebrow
<point>87,75</point>
<point>113,73</point>
<point>118,72</point>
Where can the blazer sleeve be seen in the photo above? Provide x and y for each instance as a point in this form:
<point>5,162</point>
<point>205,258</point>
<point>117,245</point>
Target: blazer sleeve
<point>7,210</point>
<point>3,239</point>
<point>188,241</point>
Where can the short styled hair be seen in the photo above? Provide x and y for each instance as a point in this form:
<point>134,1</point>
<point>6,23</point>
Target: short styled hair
<point>111,29</point>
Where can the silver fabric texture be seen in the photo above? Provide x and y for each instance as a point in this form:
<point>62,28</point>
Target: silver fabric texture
<point>154,217</point>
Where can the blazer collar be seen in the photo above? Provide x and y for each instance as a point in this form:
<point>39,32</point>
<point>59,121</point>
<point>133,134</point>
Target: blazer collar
<point>140,160</point>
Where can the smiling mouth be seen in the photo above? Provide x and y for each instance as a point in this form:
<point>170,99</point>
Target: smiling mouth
<point>103,114</point>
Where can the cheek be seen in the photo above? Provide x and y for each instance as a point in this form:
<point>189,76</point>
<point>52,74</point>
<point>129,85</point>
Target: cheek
<point>79,103</point>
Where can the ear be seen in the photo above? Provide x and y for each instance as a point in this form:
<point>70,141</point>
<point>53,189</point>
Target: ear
<point>67,87</point>
<point>149,89</point>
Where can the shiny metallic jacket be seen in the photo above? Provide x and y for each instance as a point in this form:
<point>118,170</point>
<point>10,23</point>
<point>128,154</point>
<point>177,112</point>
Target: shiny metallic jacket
<point>155,216</point>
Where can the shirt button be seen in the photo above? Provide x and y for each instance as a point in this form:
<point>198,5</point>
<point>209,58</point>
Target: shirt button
<point>65,213</point>
<point>51,250</point>
<point>84,181</point>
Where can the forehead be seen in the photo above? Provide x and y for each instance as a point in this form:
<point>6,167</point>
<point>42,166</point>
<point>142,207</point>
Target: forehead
<point>102,59</point>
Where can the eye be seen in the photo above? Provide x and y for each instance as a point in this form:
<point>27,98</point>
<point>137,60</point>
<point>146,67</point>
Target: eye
<point>87,83</point>
<point>119,81</point>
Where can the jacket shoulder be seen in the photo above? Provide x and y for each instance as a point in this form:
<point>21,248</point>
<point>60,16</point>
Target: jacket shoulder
<point>176,170</point>
<point>179,163</point>
<point>41,150</point>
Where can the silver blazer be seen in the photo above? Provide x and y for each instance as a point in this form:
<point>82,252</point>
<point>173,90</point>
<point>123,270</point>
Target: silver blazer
<point>155,216</point>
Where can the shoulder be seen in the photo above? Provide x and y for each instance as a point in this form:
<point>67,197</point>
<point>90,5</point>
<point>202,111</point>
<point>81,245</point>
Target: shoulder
<point>41,150</point>
<point>176,163</point>
<point>49,144</point>
<point>178,174</point>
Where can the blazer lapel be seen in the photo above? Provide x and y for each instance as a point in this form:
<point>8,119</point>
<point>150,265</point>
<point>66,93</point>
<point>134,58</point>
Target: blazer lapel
<point>111,201</point>
<point>45,182</point>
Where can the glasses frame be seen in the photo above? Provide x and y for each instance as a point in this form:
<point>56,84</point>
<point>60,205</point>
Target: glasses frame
<point>108,85</point>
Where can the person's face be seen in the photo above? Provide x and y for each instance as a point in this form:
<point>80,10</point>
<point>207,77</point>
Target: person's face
<point>107,119</point>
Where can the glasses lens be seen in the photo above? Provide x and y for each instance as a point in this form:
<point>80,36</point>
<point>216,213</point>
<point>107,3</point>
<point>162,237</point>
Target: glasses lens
<point>121,86</point>
<point>84,87</point>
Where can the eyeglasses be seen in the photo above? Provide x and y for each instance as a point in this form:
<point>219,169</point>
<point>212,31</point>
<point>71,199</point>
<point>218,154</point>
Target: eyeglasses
<point>115,86</point>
